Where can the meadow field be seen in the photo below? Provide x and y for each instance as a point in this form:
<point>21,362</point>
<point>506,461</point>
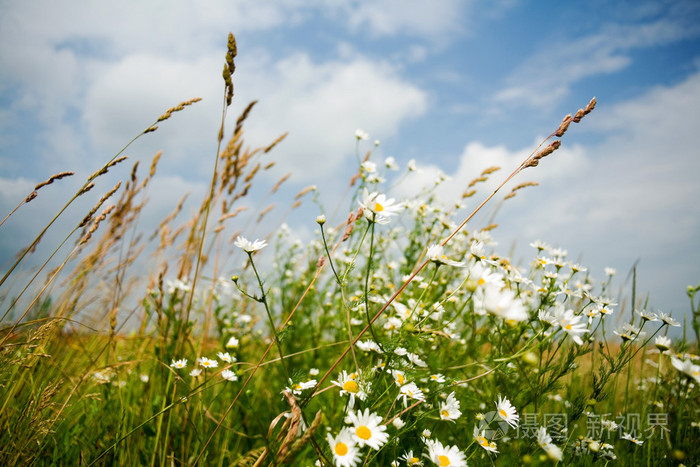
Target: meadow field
<point>398,335</point>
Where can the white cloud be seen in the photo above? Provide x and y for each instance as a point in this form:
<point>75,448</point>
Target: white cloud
<point>321,105</point>
<point>546,76</point>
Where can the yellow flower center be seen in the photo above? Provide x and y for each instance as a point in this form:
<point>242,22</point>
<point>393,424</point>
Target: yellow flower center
<point>341,449</point>
<point>568,327</point>
<point>503,413</point>
<point>364,432</point>
<point>378,207</point>
<point>444,460</point>
<point>351,386</point>
<point>482,441</point>
<point>399,378</point>
<point>297,387</point>
<point>445,413</point>
<point>481,281</point>
<point>414,460</point>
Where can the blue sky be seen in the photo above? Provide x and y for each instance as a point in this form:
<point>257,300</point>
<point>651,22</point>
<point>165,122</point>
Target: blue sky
<point>455,85</point>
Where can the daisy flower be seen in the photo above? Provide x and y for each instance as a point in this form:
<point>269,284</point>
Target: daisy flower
<point>502,303</point>
<point>483,442</point>
<point>361,134</point>
<point>686,366</point>
<point>449,410</point>
<point>437,378</point>
<point>248,246</point>
<point>662,343</point>
<point>204,362</point>
<point>377,207</point>
<point>485,276</point>
<point>179,364</point>
<point>345,452</point>
<point>225,357</point>
<point>436,254</point>
<point>297,388</point>
<point>545,441</point>
<point>445,455</point>
<point>229,375</point>
<point>507,412</point>
<point>366,429</point>
<point>351,385</point>
<point>399,377</point>
<point>632,439</point>
<point>410,391</point>
<point>410,459</point>
<point>570,323</point>
<point>666,318</point>
<point>232,343</point>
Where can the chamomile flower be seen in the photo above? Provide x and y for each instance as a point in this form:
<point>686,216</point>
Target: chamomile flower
<point>437,378</point>
<point>410,459</point>
<point>248,246</point>
<point>688,367</point>
<point>298,388</point>
<point>662,343</point>
<point>436,254</point>
<point>545,442</point>
<point>507,412</point>
<point>485,276</point>
<point>445,455</point>
<point>232,343</point>
<point>179,364</point>
<point>410,391</point>
<point>502,303</point>
<point>449,410</point>
<point>570,323</point>
<point>229,375</point>
<point>344,449</point>
<point>361,134</point>
<point>367,429</point>
<point>225,357</point>
<point>351,384</point>
<point>377,207</point>
<point>631,439</point>
<point>480,438</point>
<point>399,377</point>
<point>666,318</point>
<point>205,362</point>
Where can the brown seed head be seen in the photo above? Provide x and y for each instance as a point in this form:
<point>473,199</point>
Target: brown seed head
<point>563,126</point>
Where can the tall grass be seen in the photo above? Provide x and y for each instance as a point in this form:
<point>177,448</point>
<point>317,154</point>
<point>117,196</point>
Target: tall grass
<point>396,336</point>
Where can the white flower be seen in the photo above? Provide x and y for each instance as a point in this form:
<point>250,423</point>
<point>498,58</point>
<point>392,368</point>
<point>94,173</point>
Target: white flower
<point>204,362</point>
<point>367,429</point>
<point>666,318</point>
<point>570,323</point>
<point>376,207</point>
<point>179,364</point>
<point>485,276</point>
<point>345,452</point>
<point>610,272</point>
<point>177,284</point>
<point>368,345</point>
<point>632,439</point>
<point>297,388</point>
<point>662,343</point>
<point>411,459</point>
<point>449,410</point>
<point>686,366</point>
<point>390,163</point>
<point>545,442</point>
<point>229,375</point>
<point>399,377</point>
<point>647,316</point>
<point>360,134</point>
<point>436,255</point>
<point>445,455</point>
<point>398,423</point>
<point>352,385</point>
<point>246,245</point>
<point>507,412</point>
<point>225,357</point>
<point>232,343</point>
<point>437,378</point>
<point>410,391</point>
<point>369,167</point>
<point>195,372</point>
<point>481,440</point>
<point>314,371</point>
<point>502,303</point>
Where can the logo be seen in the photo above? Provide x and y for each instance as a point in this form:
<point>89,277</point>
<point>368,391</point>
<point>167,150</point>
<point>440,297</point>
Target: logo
<point>493,426</point>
